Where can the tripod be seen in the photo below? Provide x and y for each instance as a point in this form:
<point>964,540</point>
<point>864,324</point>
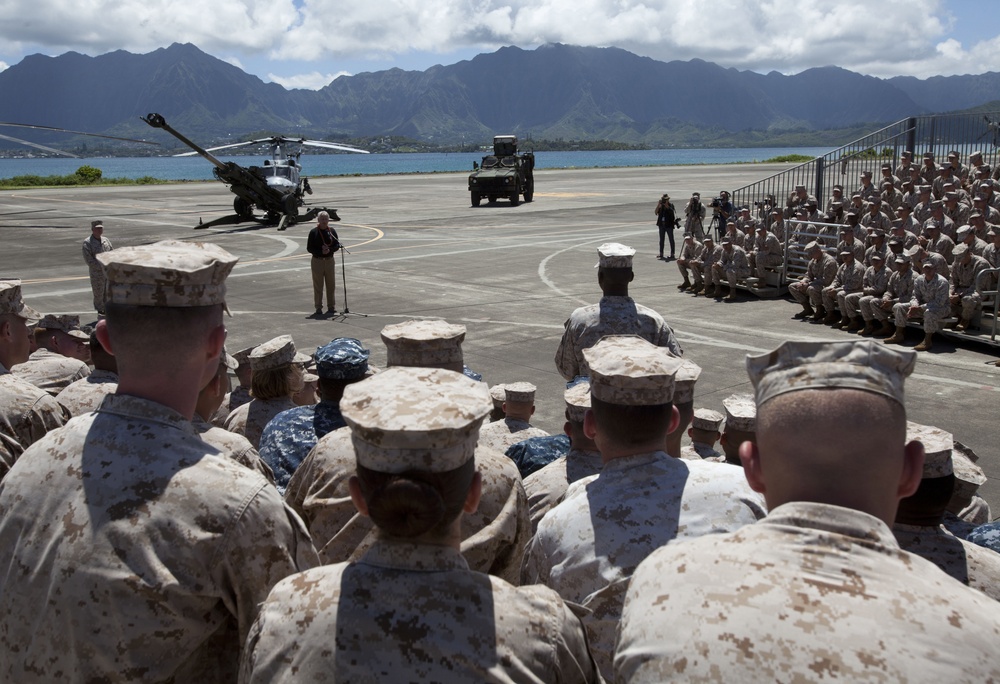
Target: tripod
<point>343,277</point>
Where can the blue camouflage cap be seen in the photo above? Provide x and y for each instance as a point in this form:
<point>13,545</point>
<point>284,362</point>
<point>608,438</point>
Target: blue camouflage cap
<point>342,359</point>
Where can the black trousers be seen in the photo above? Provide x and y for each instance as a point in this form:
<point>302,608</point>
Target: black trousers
<point>669,232</point>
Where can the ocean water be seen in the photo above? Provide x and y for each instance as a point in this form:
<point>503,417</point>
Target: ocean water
<point>196,168</point>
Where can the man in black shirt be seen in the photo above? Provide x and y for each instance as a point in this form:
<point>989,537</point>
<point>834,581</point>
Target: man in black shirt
<point>322,243</point>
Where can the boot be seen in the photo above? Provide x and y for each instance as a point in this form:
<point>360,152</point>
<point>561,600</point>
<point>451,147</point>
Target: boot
<point>697,289</point>
<point>884,330</point>
<point>718,292</point>
<point>927,344</point>
<point>962,325</point>
<point>685,285</point>
<point>806,312</point>
<point>898,336</point>
<point>855,325</point>
<point>844,323</point>
<point>732,295</point>
<point>831,318</point>
<point>709,290</point>
<point>819,315</point>
<point>868,329</point>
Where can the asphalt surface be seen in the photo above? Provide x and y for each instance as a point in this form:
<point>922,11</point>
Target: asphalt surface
<point>511,275</point>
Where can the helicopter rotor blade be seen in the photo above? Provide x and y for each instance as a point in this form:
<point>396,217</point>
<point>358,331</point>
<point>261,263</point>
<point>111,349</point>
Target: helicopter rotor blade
<point>332,146</point>
<point>36,145</point>
<point>66,130</point>
<point>226,147</point>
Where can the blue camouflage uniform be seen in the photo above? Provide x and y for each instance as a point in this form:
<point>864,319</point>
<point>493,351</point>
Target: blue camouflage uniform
<point>535,453</point>
<point>292,434</point>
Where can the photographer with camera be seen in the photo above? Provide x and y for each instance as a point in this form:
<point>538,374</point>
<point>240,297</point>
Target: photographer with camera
<point>695,213</point>
<point>666,220</point>
<point>322,242</point>
<point>722,209</point>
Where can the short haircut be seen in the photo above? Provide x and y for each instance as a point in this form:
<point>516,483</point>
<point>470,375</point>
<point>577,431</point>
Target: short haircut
<point>275,383</point>
<point>151,334</point>
<point>631,425</point>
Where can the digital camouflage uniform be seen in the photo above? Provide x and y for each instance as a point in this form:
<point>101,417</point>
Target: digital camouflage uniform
<point>873,286</point>
<point>291,435</point>
<point>410,612</point>
<point>850,278</point>
<point>26,414</point>
<point>697,451</point>
<point>811,592</point>
<point>963,284</point>
<point>965,561</point>
<point>987,536</point>
<point>239,396</point>
<point>931,297</point>
<point>250,419</point>
<point>493,538</point>
<point>702,263</point>
<point>546,488</point>
<point>50,371</point>
<point>808,289</point>
<point>233,446</point>
<point>138,553</point>
<point>733,266</point>
<point>535,453</point>
<point>689,252</point>
<point>608,524</point>
<point>503,434</point>
<point>93,246</point>
<point>612,316</point>
<point>86,394</point>
<point>767,254</point>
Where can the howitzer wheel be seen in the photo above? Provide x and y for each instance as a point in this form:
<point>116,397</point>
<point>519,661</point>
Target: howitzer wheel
<point>243,208</point>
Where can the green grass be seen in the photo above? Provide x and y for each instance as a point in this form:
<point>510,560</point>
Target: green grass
<point>788,158</point>
<point>85,175</point>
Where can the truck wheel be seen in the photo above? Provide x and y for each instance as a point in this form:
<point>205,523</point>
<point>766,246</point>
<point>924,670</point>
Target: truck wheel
<point>476,199</point>
<point>528,195</point>
<point>513,198</point>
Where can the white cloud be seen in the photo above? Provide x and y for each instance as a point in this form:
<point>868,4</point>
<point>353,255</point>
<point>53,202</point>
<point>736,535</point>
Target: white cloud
<point>234,61</point>
<point>311,81</point>
<point>3,66</point>
<point>914,37</point>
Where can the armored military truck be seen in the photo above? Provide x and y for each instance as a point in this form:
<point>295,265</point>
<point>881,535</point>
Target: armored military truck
<point>505,173</point>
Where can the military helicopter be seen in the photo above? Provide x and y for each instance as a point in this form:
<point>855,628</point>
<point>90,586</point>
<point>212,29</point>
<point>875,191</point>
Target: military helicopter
<point>54,150</point>
<point>277,188</point>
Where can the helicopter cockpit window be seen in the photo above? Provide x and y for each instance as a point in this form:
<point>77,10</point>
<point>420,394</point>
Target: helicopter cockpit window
<point>282,171</point>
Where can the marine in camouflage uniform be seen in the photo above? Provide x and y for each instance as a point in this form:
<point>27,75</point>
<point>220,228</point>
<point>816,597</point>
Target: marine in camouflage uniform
<point>799,595</point>
<point>149,554</point>
<point>732,267</point>
<point>54,365</point>
<point>704,432</point>
<point>410,609</point>
<point>875,282</point>
<point>547,487</point>
<point>615,314</point>
<point>929,301</point>
<point>86,394</point>
<point>965,298</point>
<point>691,249</point>
<point>493,537</point>
<point>702,265</point>
<point>519,405</point>
<point>767,253</point>
<point>26,412</point>
<point>240,394</point>
<point>808,290</point>
<point>276,358</point>
<point>918,527</point>
<point>850,278</point>
<point>291,435</point>
<point>96,244</point>
<point>587,547</point>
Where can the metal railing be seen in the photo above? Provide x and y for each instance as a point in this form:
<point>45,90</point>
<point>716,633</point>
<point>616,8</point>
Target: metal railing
<point>989,287</point>
<point>937,134</point>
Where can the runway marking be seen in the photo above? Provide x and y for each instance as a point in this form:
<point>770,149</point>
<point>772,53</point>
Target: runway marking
<point>572,194</point>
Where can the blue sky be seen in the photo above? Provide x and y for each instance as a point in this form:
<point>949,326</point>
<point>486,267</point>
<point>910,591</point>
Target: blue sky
<point>308,43</point>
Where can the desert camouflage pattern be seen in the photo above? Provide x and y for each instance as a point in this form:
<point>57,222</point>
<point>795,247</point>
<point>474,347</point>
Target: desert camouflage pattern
<point>92,246</point>
<point>503,434</point>
<point>863,364</point>
<point>493,538</point>
<point>963,284</point>
<point>276,353</point>
<point>608,524</point>
<point>899,289</point>
<point>611,316</point>
<point>967,562</point>
<point>137,552</point>
<point>520,392</point>
<point>684,381</point>
<point>67,323</point>
<point>697,451</point>
<point>50,371</point>
<point>86,394</point>
<point>708,420</point>
<point>232,401</point>
<point>415,419</point>
<point>167,273</point>
<point>741,412</point>
<point>546,488</point>
<point>733,266</point>
<point>423,343</point>
<point>535,453</point>
<point>233,446</point>
<point>931,298</point>
<point>850,278</point>
<point>410,612</point>
<point>629,371</point>
<point>26,414</point>
<point>250,419</point>
<point>615,255</point>
<point>809,288</point>
<point>11,301</point>
<point>812,592</point>
<point>291,435</point>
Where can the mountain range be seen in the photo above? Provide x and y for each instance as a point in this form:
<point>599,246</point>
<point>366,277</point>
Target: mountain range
<point>552,92</point>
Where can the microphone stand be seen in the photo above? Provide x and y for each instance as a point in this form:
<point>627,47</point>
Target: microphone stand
<point>343,276</point>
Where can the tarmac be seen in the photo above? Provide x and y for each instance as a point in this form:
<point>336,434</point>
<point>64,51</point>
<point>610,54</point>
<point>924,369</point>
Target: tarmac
<point>416,248</point>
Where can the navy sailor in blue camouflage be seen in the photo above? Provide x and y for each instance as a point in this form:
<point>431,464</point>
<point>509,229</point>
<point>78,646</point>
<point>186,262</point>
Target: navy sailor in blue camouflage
<point>291,434</point>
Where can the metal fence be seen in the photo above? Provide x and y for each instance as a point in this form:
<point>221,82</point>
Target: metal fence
<point>937,134</point>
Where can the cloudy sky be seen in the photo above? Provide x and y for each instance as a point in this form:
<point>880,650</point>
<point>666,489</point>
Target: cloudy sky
<point>307,43</point>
